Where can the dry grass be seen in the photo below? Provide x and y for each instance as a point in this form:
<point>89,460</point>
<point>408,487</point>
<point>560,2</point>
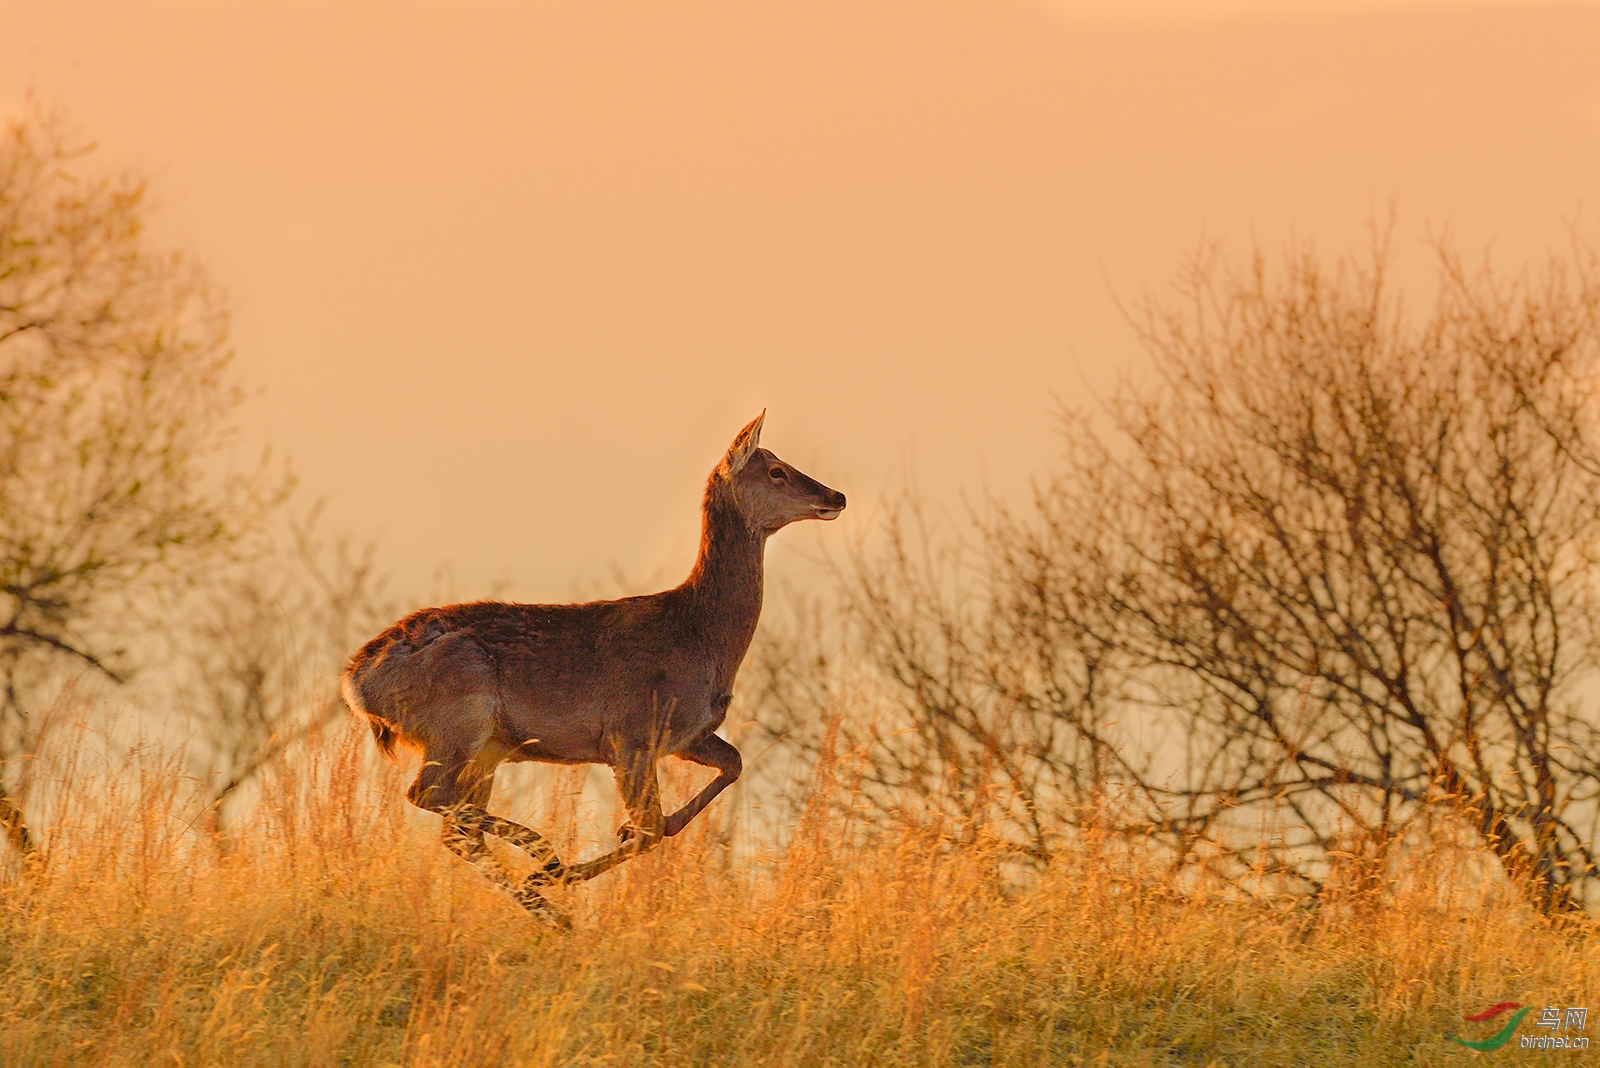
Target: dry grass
<point>339,932</point>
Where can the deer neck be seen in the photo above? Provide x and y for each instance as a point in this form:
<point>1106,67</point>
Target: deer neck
<point>725,585</point>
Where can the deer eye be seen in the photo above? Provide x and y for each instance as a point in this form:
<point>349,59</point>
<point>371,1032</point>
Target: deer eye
<point>777,473</point>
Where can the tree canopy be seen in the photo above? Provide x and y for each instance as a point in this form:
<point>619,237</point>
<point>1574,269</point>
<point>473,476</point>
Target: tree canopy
<point>114,399</point>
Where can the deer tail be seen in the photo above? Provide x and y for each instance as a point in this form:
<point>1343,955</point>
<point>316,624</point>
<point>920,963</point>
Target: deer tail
<point>383,731</point>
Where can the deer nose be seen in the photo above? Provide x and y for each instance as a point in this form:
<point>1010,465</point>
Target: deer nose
<point>836,500</point>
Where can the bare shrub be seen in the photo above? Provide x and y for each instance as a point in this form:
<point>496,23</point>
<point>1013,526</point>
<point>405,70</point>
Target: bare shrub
<point>1329,571</point>
<point>257,649</point>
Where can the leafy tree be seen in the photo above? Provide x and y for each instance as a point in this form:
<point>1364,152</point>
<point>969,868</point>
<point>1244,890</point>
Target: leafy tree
<point>114,400</point>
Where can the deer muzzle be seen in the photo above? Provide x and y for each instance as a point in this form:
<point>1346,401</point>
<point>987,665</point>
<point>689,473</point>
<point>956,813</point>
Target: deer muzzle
<point>831,509</point>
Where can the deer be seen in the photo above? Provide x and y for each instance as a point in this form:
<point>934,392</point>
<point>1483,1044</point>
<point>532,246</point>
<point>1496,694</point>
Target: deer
<point>623,683</point>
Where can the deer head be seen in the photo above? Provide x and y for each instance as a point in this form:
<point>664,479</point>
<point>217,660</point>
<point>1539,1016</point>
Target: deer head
<point>769,493</point>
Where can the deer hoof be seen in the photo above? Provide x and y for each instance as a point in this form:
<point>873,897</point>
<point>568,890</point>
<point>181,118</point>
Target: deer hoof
<point>629,833</point>
<point>542,909</point>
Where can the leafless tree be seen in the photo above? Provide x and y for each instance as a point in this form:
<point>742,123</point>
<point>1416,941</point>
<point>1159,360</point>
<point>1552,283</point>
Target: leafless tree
<point>113,394</point>
<point>1329,571</point>
<point>943,679</point>
<point>1357,554</point>
<point>260,645</point>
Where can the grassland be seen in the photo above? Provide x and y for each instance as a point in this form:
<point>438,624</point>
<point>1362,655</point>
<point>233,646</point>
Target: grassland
<point>335,930</point>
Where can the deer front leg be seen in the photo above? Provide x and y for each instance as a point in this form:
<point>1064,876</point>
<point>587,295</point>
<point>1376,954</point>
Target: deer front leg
<point>641,793</point>
<point>710,752</point>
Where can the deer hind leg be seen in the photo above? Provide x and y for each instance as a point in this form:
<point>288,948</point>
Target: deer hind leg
<point>459,791</point>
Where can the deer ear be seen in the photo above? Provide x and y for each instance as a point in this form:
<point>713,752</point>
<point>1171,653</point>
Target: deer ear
<point>745,444</point>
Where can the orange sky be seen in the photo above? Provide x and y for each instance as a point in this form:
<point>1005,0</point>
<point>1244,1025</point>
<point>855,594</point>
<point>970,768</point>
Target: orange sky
<point>512,274</point>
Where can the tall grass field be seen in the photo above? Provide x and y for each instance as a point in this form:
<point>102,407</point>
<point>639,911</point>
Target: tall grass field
<point>331,928</point>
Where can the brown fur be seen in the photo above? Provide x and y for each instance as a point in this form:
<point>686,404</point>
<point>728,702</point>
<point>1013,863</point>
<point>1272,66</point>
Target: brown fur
<point>620,682</point>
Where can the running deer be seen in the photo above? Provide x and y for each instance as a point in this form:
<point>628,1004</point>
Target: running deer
<point>621,682</point>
